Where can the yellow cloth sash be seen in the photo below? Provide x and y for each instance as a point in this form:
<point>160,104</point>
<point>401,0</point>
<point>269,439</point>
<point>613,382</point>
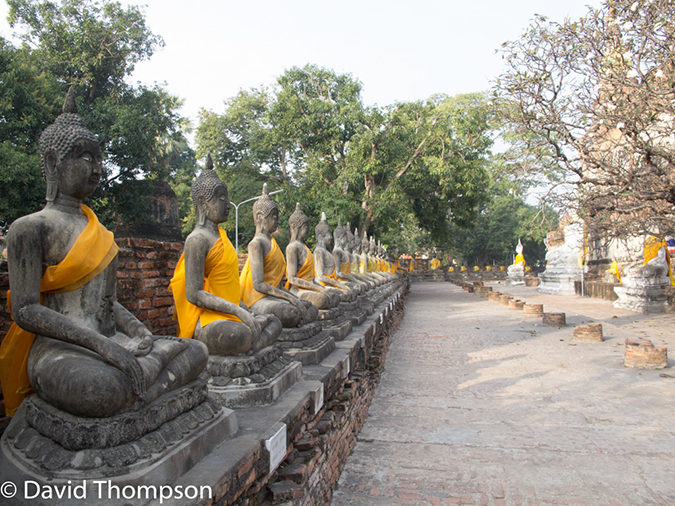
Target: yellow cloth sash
<point>519,259</point>
<point>354,266</point>
<point>372,266</point>
<point>92,252</point>
<point>344,268</point>
<point>362,266</point>
<point>651,251</point>
<point>307,271</point>
<point>274,265</point>
<point>435,264</point>
<point>221,278</point>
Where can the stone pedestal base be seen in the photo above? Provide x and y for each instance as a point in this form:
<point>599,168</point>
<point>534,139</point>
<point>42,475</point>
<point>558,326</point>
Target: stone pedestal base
<point>505,299</point>
<point>494,296</point>
<point>159,457</point>
<point>248,394</point>
<point>642,354</point>
<point>554,320</point>
<point>591,333</point>
<point>533,310</point>
<point>559,280</point>
<point>642,294</point>
<point>256,380</point>
<point>516,305</point>
<point>515,277</point>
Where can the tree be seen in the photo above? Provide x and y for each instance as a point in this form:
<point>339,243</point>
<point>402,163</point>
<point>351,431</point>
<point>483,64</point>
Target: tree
<point>27,106</point>
<point>591,108</point>
<point>501,222</point>
<point>94,46</point>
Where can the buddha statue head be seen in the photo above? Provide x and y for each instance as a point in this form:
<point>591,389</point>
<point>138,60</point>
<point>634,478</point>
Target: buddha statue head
<point>323,232</point>
<point>372,246</point>
<point>298,224</point>
<point>209,196</point>
<point>340,236</point>
<point>265,213</point>
<point>356,242</point>
<point>365,242</point>
<point>62,142</point>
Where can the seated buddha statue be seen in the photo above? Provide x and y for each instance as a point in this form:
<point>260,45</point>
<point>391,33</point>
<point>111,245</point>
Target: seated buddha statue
<point>326,267</point>
<point>260,279</point>
<point>353,249</point>
<point>72,343</point>
<point>205,285</point>
<point>367,248</point>
<point>300,266</point>
<point>343,262</point>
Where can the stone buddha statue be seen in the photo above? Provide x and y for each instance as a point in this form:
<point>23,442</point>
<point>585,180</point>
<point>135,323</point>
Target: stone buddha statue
<point>72,342</point>
<point>354,251</point>
<point>206,280</point>
<point>300,266</point>
<point>260,279</point>
<point>326,266</point>
<point>343,260</point>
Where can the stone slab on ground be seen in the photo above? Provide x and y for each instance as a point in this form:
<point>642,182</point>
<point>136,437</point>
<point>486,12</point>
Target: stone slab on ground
<point>479,405</point>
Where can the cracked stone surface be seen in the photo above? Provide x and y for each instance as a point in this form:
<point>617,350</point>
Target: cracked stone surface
<point>479,405</point>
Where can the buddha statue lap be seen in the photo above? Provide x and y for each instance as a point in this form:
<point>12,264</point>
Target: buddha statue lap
<point>300,266</point>
<point>206,285</point>
<point>260,279</point>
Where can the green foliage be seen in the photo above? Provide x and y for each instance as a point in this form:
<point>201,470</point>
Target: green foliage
<point>27,98</point>
<point>500,223</point>
<point>92,46</point>
<point>416,165</point>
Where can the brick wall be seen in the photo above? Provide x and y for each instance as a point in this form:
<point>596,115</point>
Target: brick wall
<point>143,275</point>
<point>321,443</point>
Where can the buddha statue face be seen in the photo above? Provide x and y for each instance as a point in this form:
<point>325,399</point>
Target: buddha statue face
<point>340,236</point>
<point>70,155</point>
<point>78,173</point>
<point>266,213</point>
<point>323,233</point>
<point>298,224</point>
<point>365,244</point>
<point>210,197</point>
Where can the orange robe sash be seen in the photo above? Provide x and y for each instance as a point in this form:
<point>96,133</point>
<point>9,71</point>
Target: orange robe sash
<point>221,278</point>
<point>91,253</point>
<point>274,265</point>
<point>307,271</point>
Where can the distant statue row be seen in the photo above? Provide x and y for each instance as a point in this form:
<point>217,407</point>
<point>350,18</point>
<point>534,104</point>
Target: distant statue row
<point>240,314</point>
<point>83,353</point>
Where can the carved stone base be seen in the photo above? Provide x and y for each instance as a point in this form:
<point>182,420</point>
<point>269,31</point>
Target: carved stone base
<point>160,456</point>
<point>311,351</point>
<point>75,433</point>
<point>339,328</point>
<point>559,281</point>
<point>642,294</point>
<point>330,314</point>
<point>258,394</point>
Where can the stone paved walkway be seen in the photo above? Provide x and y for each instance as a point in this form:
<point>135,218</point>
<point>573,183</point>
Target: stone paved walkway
<point>479,405</point>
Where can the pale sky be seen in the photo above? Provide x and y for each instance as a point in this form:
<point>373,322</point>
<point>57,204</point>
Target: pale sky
<point>400,51</point>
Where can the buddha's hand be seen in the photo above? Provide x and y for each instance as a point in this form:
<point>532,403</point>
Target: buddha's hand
<point>141,346</point>
<point>124,360</point>
<point>251,322</point>
<point>301,307</point>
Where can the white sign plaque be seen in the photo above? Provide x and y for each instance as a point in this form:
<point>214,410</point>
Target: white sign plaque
<point>276,445</point>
